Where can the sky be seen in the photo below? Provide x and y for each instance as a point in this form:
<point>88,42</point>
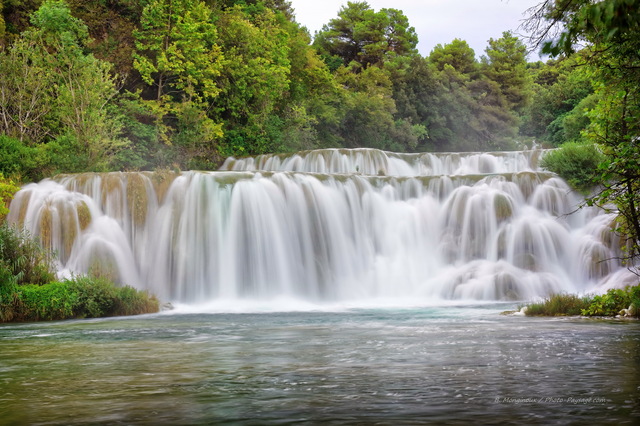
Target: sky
<point>435,21</point>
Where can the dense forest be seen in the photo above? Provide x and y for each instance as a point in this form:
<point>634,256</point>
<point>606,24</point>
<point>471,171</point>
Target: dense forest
<point>143,84</point>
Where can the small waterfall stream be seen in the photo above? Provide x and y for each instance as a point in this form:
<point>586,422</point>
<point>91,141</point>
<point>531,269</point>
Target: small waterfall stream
<point>330,225</point>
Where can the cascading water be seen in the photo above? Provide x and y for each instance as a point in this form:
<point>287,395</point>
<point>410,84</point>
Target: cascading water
<point>330,225</point>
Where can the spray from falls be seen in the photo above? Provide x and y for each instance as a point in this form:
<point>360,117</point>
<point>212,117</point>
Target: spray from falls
<point>330,225</point>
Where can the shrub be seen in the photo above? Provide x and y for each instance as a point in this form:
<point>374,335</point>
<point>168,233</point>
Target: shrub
<point>16,159</point>
<point>7,189</point>
<point>130,301</point>
<point>28,291</point>
<point>95,296</point>
<point>24,257</point>
<point>80,297</point>
<point>576,163</point>
<point>8,294</point>
<point>99,297</point>
<point>609,304</point>
<point>53,301</point>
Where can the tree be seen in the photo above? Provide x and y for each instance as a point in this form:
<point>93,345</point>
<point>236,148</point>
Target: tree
<point>253,82</point>
<point>176,50</point>
<point>610,32</point>
<point>53,91</point>
<point>562,92</point>
<point>362,35</point>
<point>506,64</point>
<point>471,112</point>
<point>27,91</point>
<point>177,54</point>
<point>3,26</point>
<point>414,91</point>
<point>85,85</point>
<point>368,110</point>
<point>457,54</point>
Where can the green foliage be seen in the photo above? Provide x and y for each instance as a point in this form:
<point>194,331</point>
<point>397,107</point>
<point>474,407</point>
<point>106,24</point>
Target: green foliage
<point>609,21</point>
<point>52,301</point>
<point>559,305</point>
<point>27,91</point>
<point>24,257</point>
<point>55,26</point>
<point>7,189</point>
<point>18,160</point>
<point>138,125</point>
<point>359,34</point>
<point>506,64</point>
<point>99,297</point>
<point>95,297</point>
<point>203,80</point>
<point>8,294</point>
<point>471,112</point>
<point>576,163</point>
<point>611,29</point>
<point>80,297</point>
<point>49,88</point>
<point>28,291</point>
<point>129,301</point>
<point>458,55</point>
<point>3,27</point>
<point>616,127</point>
<point>562,95</point>
<point>177,50</point>
<point>65,155</point>
<point>253,82</point>
<point>608,304</point>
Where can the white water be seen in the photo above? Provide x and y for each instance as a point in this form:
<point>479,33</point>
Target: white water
<point>331,226</point>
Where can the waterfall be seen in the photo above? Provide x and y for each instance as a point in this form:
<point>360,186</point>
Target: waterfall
<point>330,225</point>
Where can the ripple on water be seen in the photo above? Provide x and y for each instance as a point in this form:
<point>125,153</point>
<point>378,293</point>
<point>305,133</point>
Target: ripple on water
<point>360,366</point>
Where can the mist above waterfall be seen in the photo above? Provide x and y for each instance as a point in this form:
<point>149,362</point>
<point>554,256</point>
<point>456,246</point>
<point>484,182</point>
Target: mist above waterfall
<point>331,226</point>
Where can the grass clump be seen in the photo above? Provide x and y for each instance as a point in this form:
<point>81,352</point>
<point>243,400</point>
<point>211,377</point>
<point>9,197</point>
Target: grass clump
<point>79,297</point>
<point>559,305</point>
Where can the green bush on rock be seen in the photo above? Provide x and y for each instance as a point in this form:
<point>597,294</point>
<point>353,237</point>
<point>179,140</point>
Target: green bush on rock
<point>577,163</point>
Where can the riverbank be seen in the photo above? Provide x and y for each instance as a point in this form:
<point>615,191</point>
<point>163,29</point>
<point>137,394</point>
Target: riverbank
<point>615,302</point>
<point>80,297</point>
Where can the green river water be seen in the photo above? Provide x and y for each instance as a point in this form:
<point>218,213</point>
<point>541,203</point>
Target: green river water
<point>431,365</point>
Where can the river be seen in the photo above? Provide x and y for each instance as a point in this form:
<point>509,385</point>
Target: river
<point>452,364</point>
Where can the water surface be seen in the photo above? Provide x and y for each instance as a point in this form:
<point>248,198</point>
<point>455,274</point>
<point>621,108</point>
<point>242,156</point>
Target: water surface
<point>445,365</point>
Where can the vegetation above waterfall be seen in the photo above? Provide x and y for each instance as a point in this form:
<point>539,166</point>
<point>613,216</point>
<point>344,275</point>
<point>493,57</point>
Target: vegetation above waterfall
<point>144,84</point>
<point>29,290</point>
